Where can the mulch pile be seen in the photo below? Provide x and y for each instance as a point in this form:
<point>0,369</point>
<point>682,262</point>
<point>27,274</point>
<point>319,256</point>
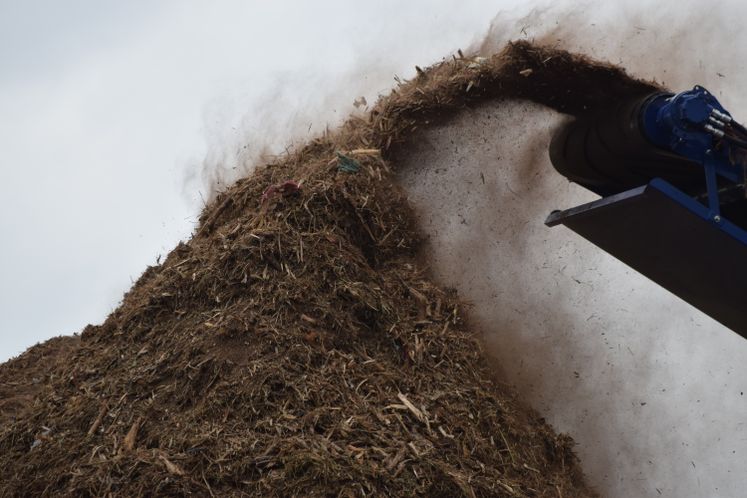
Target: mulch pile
<point>24,377</point>
<point>294,348</point>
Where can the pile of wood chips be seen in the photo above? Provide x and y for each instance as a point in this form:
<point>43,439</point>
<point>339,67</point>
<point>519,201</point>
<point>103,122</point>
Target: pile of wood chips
<point>293,347</point>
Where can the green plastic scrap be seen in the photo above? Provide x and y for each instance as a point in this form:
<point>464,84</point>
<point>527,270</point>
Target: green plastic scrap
<point>347,164</point>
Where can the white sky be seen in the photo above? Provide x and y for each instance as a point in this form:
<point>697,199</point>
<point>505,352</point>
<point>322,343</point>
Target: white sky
<point>107,109</point>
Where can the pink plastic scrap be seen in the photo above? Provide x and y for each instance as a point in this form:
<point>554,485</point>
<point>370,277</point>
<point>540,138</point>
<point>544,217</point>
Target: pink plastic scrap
<point>286,188</point>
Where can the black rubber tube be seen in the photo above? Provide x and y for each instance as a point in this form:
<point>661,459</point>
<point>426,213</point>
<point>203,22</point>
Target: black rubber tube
<point>607,152</point>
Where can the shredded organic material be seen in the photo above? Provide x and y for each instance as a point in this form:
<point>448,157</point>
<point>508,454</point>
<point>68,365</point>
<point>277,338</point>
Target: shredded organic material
<point>23,378</point>
<point>293,347</point>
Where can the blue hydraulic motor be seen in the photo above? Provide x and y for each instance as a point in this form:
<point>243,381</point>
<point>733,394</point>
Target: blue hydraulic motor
<point>671,173</point>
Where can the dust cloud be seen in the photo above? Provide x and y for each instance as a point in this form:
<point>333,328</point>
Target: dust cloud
<point>343,52</point>
<point>270,131</point>
<point>651,389</point>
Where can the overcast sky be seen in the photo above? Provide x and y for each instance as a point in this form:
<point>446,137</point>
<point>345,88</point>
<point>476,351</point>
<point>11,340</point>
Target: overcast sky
<point>108,109</point>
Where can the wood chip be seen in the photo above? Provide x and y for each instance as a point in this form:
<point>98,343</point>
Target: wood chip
<point>415,411</point>
<point>171,466</point>
<point>99,418</point>
<point>131,437</point>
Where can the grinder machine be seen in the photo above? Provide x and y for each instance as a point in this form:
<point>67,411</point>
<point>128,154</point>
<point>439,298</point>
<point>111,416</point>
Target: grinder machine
<point>671,173</point>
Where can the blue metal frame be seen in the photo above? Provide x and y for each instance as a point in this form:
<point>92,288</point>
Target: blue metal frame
<point>690,124</point>
<point>704,212</point>
<point>666,188</point>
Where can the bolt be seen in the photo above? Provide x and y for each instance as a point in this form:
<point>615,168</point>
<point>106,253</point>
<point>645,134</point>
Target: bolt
<point>717,219</point>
